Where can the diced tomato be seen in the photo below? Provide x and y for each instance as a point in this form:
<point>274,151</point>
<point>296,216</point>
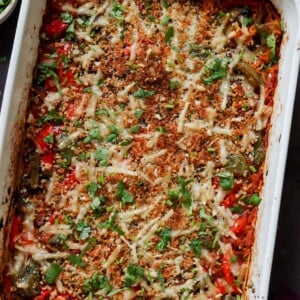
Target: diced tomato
<point>48,158</point>
<point>240,225</point>
<point>50,85</point>
<point>66,76</point>
<point>45,295</point>
<point>226,266</point>
<point>127,50</point>
<point>70,180</point>
<point>15,231</point>
<point>229,200</point>
<point>221,285</point>
<point>64,49</point>
<point>45,131</point>
<point>56,28</point>
<point>250,3</point>
<point>216,182</point>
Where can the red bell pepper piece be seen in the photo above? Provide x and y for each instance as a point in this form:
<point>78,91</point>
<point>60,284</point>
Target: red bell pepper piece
<point>15,231</point>
<point>216,182</point>
<point>48,158</point>
<point>56,28</point>
<point>69,180</point>
<point>46,130</point>
<point>226,266</point>
<point>229,200</point>
<point>240,225</point>
<point>45,295</point>
<point>221,285</point>
<point>250,3</point>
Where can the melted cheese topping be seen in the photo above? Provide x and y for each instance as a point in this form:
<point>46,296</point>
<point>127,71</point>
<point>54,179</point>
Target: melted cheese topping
<point>144,154</point>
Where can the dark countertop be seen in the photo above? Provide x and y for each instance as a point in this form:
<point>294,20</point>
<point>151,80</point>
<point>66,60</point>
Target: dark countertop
<point>285,277</point>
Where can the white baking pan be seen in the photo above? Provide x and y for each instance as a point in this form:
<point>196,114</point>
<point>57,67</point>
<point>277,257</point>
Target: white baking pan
<point>14,111</point>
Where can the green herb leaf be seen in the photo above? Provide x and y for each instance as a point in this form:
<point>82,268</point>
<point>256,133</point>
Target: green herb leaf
<point>169,34</point>
<point>83,21</point>
<point>271,43</point>
<point>141,94</point>
<point>84,229</point>
<point>101,156</point>
<point>165,239</point>
<point>195,246</point>
<point>161,129</point>
<point>97,202</point>
<point>134,274</point>
<point>161,279</point>
<point>134,129</point>
<point>52,273</point>
<point>165,21</point>
<point>49,139</point>
<point>184,192</point>
<point>102,112</point>
<point>66,18</point>
<point>216,70</point>
<point>110,224</point>
<point>114,134</point>
<point>226,180</point>
<point>246,21</point>
<point>253,200</point>
<point>92,188</point>
<point>118,10</point>
<point>69,35</point>
<point>122,194</point>
<point>138,113</point>
<point>96,282</point>
<point>66,155</point>
<point>174,84</point>
<point>52,115</point>
<point>126,142</point>
<point>76,260</point>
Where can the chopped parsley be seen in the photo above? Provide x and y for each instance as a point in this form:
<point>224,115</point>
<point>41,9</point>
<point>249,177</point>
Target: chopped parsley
<point>101,156</point>
<point>169,34</point>
<point>216,70</point>
<point>117,11</point>
<point>96,282</point>
<point>49,138</point>
<point>52,273</point>
<point>113,137</point>
<point>165,239</point>
<point>141,94</point>
<point>134,274</point>
<point>76,259</point>
<point>122,194</point>
<point>111,224</point>
<point>52,116</point>
<point>271,43</point>
<point>226,180</point>
<point>195,246</point>
<point>84,229</point>
<point>182,193</point>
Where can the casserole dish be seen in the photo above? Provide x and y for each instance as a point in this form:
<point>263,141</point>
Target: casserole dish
<point>282,112</point>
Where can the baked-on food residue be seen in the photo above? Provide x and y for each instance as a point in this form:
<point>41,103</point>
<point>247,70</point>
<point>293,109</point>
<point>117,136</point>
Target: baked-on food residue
<point>144,150</point>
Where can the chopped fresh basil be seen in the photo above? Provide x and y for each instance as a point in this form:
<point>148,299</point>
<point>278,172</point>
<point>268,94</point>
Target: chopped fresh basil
<point>134,129</point>
<point>161,279</point>
<point>97,202</point>
<point>83,21</point>
<point>94,134</point>
<point>114,134</point>
<point>52,273</point>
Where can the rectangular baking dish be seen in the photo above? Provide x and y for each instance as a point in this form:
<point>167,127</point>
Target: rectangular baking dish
<point>13,114</point>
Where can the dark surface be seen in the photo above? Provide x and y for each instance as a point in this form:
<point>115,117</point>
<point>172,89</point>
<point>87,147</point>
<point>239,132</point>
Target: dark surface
<point>285,278</point>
